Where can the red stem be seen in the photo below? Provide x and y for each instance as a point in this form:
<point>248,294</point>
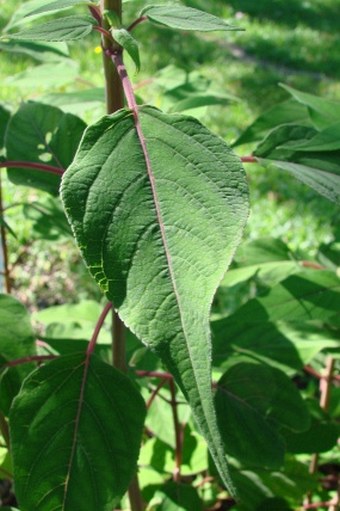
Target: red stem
<point>154,374</point>
<point>30,165</point>
<point>127,86</point>
<point>103,31</point>
<point>95,13</point>
<point>137,22</point>
<point>248,159</point>
<point>155,392</point>
<point>100,322</point>
<point>29,359</point>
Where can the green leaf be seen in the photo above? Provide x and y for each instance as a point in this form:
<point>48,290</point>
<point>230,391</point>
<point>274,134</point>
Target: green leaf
<point>201,100</point>
<point>185,18</point>
<point>42,134</point>
<point>243,396</point>
<point>139,224</point>
<point>325,183</point>
<point>46,76</point>
<point>10,383</point>
<point>326,140</point>
<point>56,6</point>
<point>4,118</point>
<point>288,112</point>
<point>48,219</point>
<point>129,43</point>
<point>17,338</point>
<point>68,28</point>
<point>320,437</point>
<point>252,401</point>
<point>176,497</point>
<point>82,420</point>
<point>323,112</point>
<point>42,51</point>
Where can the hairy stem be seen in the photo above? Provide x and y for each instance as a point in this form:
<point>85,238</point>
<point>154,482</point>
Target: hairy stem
<point>3,237</point>
<point>137,22</point>
<point>30,165</point>
<point>29,360</point>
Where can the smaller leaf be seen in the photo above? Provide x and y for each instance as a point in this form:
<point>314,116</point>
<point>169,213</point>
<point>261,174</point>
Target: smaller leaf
<point>4,118</point>
<point>10,382</point>
<point>185,18</point>
<point>201,100</point>
<point>320,437</point>
<point>129,43</point>
<point>323,111</point>
<point>327,140</point>
<point>69,28</point>
<point>56,6</point>
<point>325,183</point>
<point>176,497</point>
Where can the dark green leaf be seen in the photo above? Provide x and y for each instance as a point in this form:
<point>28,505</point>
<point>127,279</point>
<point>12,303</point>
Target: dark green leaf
<point>320,437</point>
<point>4,118</point>
<point>129,43</point>
<point>176,497</point>
<point>185,18</point>
<point>243,397</point>
<point>10,382</point>
<point>42,134</point>
<point>68,28</point>
<point>323,112</point>
<point>283,345</point>
<point>17,338</point>
<point>48,219</point>
<point>326,140</point>
<point>274,145</point>
<point>82,420</point>
<point>140,231</point>
<point>56,6</point>
<point>288,112</point>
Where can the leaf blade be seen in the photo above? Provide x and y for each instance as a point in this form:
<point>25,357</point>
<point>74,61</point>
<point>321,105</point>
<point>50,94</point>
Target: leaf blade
<point>69,28</point>
<point>69,422</point>
<point>149,276</point>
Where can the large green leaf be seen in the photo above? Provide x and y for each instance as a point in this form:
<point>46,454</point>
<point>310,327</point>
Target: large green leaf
<point>252,401</point>
<point>185,18</point>
<point>326,140</point>
<point>76,428</point>
<point>17,338</point>
<point>68,28</point>
<point>158,220</point>
<point>42,134</point>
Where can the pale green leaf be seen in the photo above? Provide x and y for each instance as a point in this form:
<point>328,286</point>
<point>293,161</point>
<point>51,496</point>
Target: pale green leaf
<point>56,6</point>
<point>68,28</point>
<point>140,225</point>
<point>185,18</point>
<point>129,43</point>
<point>82,420</point>
<point>17,338</point>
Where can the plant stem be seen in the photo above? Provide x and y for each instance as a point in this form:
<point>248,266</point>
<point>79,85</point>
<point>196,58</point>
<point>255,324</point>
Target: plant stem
<point>178,434</point>
<point>154,374</point>
<point>248,159</point>
<point>4,429</point>
<point>113,86</point>
<point>30,165</point>
<point>100,322</point>
<point>154,393</point>
<point>115,101</point>
<point>29,360</point>
<point>325,391</point>
<point>4,246</point>
<point>137,22</point>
